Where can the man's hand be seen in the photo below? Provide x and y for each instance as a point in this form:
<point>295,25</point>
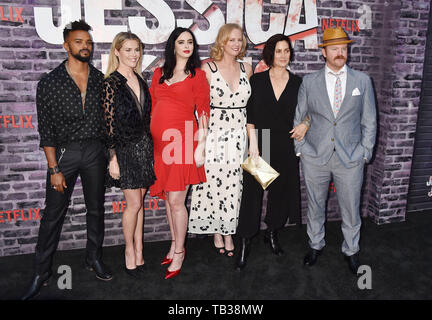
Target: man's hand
<point>299,131</point>
<point>58,182</point>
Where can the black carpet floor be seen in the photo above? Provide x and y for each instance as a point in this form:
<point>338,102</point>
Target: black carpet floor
<point>400,257</point>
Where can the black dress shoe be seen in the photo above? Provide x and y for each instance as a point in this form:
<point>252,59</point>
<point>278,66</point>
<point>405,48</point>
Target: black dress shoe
<point>37,282</point>
<point>100,269</point>
<point>243,254</point>
<point>271,238</point>
<point>311,257</point>
<point>353,263</point>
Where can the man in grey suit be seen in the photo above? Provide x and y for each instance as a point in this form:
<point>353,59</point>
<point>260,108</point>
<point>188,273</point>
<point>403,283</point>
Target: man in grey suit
<point>341,105</point>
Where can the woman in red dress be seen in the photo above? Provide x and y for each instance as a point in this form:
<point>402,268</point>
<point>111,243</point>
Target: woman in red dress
<point>178,89</point>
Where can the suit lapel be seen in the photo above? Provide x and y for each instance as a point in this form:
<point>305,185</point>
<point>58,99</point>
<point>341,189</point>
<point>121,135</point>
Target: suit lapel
<point>324,93</point>
<point>350,85</point>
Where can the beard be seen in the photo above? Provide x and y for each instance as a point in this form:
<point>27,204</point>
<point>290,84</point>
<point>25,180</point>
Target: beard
<point>81,58</point>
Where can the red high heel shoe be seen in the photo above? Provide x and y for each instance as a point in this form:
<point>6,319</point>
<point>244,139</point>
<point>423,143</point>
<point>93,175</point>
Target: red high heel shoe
<point>166,260</point>
<point>174,273</point>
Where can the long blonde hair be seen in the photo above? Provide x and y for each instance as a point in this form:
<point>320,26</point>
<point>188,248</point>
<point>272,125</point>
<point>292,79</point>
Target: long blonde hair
<point>113,60</point>
<point>222,38</point>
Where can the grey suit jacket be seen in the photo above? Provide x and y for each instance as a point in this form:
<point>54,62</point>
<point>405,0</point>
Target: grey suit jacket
<point>352,133</point>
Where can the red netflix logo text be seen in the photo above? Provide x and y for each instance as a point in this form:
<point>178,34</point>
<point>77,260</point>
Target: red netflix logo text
<point>119,206</point>
<point>23,121</point>
<point>20,214</point>
<point>11,14</point>
<point>347,25</point>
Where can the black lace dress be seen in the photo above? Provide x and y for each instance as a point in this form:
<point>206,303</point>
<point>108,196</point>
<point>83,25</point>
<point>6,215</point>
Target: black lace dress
<point>128,132</point>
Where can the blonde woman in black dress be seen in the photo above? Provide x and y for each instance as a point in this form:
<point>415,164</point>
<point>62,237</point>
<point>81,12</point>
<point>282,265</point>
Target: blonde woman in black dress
<point>127,104</point>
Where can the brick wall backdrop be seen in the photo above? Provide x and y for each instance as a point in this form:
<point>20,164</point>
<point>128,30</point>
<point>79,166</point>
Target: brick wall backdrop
<point>390,50</point>
<point>419,194</point>
<point>408,21</point>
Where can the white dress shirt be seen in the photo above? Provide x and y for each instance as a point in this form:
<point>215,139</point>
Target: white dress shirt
<point>331,82</point>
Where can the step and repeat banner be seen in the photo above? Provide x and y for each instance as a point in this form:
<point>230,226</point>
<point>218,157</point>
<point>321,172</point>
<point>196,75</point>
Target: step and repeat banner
<point>390,41</point>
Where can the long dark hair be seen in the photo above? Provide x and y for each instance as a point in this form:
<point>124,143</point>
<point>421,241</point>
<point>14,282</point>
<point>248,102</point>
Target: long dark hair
<point>193,62</point>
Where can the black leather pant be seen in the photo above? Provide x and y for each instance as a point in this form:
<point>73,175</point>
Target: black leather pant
<point>88,160</point>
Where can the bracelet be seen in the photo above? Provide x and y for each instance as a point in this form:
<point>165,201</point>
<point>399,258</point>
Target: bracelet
<point>54,170</point>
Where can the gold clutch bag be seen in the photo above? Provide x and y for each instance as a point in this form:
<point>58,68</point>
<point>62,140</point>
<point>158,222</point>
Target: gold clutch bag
<point>261,170</point>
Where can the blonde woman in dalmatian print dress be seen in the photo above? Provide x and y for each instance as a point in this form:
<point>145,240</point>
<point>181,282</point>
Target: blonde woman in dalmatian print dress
<point>215,204</point>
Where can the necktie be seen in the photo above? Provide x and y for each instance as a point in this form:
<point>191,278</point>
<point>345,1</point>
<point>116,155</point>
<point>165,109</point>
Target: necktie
<point>337,93</point>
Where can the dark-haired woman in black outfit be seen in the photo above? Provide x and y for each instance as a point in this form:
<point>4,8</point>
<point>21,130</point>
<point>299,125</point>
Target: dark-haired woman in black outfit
<point>272,106</point>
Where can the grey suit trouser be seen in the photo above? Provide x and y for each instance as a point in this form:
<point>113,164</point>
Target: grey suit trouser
<point>348,183</point>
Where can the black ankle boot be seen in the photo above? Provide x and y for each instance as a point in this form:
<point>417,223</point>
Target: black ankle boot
<point>243,254</point>
<point>38,281</point>
<point>98,267</point>
<point>271,237</point>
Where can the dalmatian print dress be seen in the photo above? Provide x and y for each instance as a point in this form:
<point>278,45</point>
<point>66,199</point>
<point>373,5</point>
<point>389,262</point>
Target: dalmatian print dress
<point>215,204</point>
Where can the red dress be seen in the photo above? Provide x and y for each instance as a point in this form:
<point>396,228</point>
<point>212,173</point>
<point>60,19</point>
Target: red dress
<point>173,127</point>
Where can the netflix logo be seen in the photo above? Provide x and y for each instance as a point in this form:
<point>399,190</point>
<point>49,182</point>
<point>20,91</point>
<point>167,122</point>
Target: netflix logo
<point>12,14</point>
<point>20,214</point>
<point>22,121</point>
<point>119,206</point>
<point>347,25</point>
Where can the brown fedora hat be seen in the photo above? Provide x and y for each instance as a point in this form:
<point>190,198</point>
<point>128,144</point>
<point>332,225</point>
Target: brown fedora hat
<point>333,36</point>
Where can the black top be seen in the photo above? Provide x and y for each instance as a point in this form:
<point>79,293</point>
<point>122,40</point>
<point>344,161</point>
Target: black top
<point>61,118</point>
<point>127,119</point>
<point>264,111</point>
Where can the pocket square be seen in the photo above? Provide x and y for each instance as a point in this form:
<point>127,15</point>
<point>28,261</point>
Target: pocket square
<point>356,92</point>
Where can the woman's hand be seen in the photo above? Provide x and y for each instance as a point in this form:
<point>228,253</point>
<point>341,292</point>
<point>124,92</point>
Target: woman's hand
<point>299,131</point>
<point>114,169</point>
<point>199,154</point>
<point>253,151</point>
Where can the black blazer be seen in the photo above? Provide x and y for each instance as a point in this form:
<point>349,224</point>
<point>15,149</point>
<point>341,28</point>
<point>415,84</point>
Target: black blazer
<point>124,122</point>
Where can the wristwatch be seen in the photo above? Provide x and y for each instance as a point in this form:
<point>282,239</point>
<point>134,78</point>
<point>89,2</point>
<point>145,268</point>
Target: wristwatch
<point>54,170</point>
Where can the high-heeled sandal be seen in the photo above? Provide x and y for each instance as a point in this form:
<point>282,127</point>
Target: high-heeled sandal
<point>229,253</point>
<point>174,273</point>
<point>167,260</point>
<point>219,250</point>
